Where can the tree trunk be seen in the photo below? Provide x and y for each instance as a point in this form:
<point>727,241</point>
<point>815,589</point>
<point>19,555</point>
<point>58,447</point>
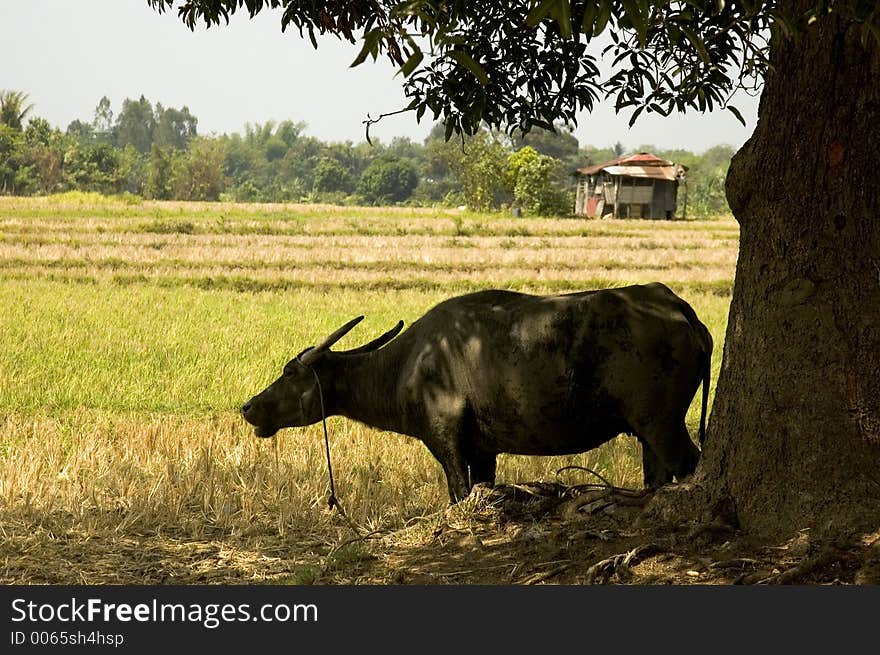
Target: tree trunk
<point>794,436</point>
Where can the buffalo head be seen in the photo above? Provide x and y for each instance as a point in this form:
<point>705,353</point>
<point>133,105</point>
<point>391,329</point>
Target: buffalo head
<point>294,399</point>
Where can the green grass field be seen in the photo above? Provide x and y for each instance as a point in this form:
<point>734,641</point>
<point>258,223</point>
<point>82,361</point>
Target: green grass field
<point>133,331</point>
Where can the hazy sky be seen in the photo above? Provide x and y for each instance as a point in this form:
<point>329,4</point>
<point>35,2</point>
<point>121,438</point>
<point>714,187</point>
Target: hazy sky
<point>67,54</point>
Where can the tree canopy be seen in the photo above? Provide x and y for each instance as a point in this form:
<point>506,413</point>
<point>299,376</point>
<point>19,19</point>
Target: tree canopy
<point>13,109</point>
<point>520,64</point>
<point>152,151</point>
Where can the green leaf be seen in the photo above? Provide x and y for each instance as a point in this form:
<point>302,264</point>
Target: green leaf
<point>450,127</point>
<point>412,62</point>
<point>674,33</point>
<point>591,11</point>
<point>639,21</point>
<point>733,110</point>
<point>558,10</point>
<point>539,12</point>
<point>635,115</point>
<point>562,14</point>
<point>603,17</point>
<point>697,42</point>
<point>371,47</point>
<point>544,125</point>
<point>464,59</point>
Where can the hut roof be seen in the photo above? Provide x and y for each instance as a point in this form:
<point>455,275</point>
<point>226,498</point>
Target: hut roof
<point>641,164</point>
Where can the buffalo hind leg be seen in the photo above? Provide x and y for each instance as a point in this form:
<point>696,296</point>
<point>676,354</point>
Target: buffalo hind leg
<point>671,450</point>
<point>689,454</point>
<point>655,474</point>
<point>482,468</point>
<point>480,464</point>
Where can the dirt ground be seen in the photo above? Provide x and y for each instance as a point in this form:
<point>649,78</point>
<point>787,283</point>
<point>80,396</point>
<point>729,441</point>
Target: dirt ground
<point>509,535</point>
<point>550,534</point>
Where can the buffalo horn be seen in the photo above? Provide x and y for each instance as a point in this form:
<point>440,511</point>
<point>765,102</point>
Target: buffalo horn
<point>378,342</point>
<point>310,356</point>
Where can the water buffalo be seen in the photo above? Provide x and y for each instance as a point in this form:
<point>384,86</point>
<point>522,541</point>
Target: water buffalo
<point>503,372</point>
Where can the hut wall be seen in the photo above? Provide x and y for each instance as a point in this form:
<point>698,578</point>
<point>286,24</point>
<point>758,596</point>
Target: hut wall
<point>664,202</point>
<point>639,193</point>
<point>580,203</point>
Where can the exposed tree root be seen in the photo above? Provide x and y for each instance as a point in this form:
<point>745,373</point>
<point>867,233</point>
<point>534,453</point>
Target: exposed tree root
<point>797,573</point>
<point>592,502</point>
<point>545,575</point>
<point>619,565</point>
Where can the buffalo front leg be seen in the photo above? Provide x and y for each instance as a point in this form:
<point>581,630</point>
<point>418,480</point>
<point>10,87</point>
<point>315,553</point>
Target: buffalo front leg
<point>455,467</point>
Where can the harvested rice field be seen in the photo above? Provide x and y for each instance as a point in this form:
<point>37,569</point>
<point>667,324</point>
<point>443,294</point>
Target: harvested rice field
<point>133,331</point>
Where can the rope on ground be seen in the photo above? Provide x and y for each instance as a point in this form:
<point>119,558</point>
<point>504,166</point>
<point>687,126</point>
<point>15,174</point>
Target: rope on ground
<point>605,483</point>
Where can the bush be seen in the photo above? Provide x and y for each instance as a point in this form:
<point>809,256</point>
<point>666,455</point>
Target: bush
<point>388,180</point>
<point>331,176</point>
<point>535,183</point>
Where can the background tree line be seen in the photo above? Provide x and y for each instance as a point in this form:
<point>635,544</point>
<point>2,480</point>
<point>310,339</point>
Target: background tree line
<point>156,152</point>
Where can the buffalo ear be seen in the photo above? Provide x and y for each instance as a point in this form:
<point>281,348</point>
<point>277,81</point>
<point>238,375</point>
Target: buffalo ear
<point>309,356</point>
<point>376,343</point>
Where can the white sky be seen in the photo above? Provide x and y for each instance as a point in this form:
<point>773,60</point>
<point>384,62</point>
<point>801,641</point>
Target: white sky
<point>65,55</point>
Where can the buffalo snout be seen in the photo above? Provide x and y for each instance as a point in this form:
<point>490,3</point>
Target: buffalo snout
<point>263,425</point>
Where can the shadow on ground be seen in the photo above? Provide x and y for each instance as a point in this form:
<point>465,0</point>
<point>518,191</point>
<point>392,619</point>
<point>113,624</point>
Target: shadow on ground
<point>509,535</point>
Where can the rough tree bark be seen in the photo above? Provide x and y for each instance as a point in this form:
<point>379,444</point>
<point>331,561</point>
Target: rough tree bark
<point>794,436</point>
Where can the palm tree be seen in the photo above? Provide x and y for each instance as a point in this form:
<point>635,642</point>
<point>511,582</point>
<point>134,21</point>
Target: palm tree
<point>13,108</point>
